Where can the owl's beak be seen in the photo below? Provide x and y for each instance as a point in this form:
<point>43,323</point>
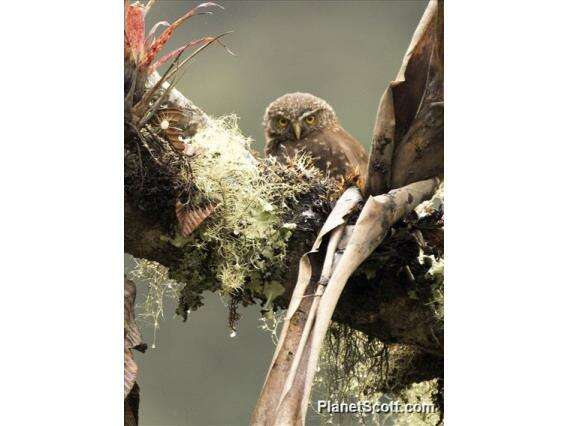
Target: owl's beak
<point>297,129</point>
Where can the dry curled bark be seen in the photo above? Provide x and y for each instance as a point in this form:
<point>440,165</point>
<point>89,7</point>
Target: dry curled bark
<point>132,341</point>
<point>408,137</point>
<point>131,404</point>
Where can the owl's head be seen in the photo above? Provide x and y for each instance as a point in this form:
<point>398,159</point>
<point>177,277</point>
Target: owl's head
<point>296,115</point>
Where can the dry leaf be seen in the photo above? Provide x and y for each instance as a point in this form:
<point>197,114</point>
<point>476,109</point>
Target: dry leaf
<point>190,220</point>
<point>408,138</point>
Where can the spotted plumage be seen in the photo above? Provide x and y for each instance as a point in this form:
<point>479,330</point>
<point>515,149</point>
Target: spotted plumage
<point>301,122</point>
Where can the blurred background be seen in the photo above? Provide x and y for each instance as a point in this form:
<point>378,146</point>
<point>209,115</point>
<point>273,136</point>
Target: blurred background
<point>345,52</point>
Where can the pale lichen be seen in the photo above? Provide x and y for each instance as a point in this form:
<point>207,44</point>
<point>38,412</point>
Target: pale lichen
<point>247,235</point>
<point>354,368</point>
<point>157,286</point>
<point>420,396</point>
<point>435,276</point>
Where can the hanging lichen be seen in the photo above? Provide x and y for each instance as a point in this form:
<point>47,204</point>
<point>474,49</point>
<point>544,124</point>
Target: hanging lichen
<point>157,287</point>
<point>354,368</point>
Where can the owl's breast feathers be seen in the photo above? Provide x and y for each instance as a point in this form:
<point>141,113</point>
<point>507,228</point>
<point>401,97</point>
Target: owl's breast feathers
<point>332,149</point>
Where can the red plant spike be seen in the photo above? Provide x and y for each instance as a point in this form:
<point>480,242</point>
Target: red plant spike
<point>143,50</point>
<point>173,53</point>
<point>134,29</point>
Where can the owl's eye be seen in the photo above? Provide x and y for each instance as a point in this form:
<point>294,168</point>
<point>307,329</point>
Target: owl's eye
<point>282,122</point>
<point>310,119</point>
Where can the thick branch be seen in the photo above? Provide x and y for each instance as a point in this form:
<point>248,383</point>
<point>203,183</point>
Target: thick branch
<point>368,304</point>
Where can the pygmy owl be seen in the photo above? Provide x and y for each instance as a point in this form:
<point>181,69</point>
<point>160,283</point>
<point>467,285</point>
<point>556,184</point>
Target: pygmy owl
<point>301,122</point>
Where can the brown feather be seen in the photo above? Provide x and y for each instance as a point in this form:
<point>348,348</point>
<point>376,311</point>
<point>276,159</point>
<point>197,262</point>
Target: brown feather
<point>333,150</point>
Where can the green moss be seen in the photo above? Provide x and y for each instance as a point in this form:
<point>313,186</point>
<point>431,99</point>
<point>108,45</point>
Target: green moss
<point>271,291</point>
<point>246,239</point>
<point>196,270</point>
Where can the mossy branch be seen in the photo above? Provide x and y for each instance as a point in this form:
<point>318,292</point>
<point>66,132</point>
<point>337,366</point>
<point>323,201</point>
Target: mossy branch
<point>373,295</point>
<point>267,216</point>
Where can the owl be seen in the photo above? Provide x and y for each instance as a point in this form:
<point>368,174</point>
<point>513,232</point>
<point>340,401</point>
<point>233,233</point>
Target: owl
<point>301,122</point>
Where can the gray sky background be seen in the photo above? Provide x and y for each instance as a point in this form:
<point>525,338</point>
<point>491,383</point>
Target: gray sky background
<point>343,51</point>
